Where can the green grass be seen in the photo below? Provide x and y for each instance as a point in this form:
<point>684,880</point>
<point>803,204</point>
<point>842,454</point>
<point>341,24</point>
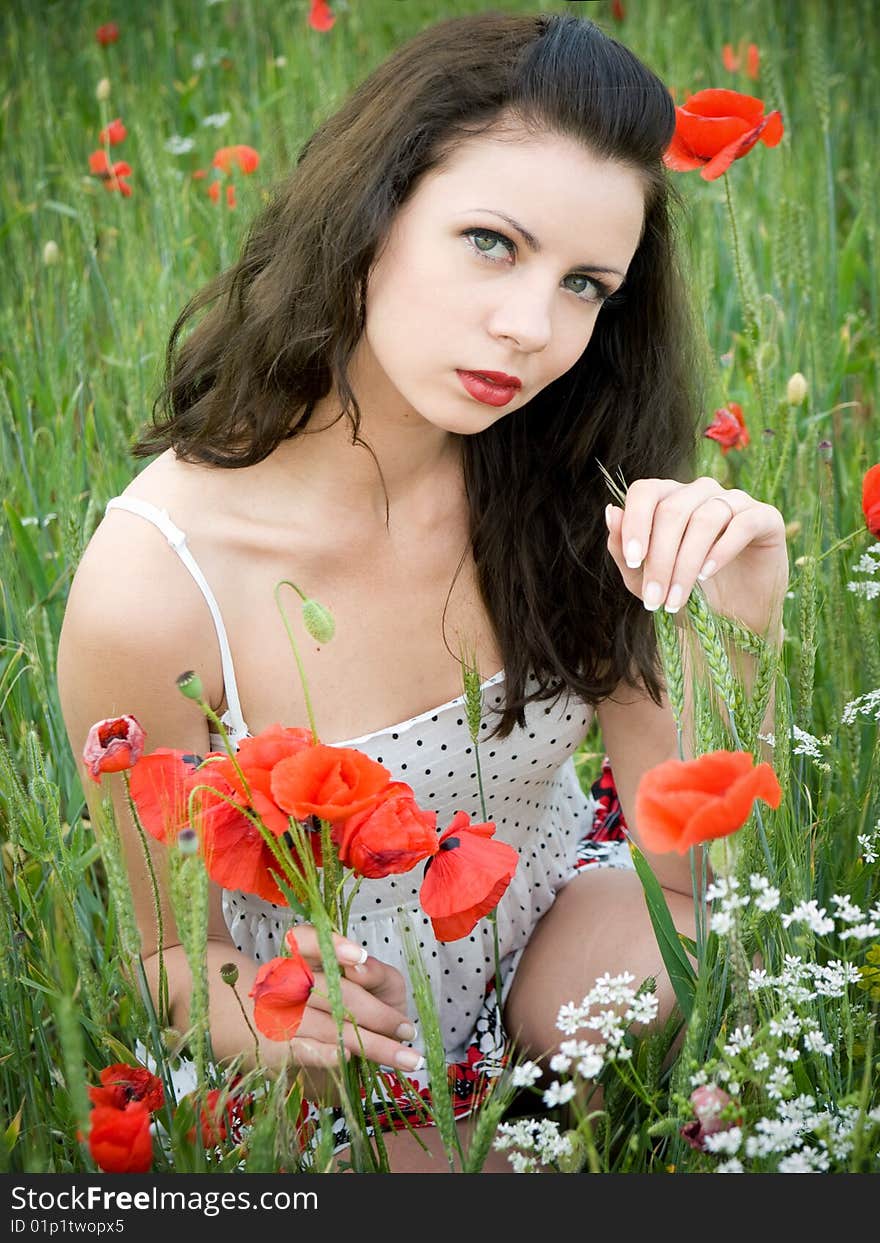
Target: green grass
<point>83,342</point>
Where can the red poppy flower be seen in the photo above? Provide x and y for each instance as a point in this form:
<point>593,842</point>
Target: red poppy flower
<point>120,1140</point>
<point>113,133</point>
<point>114,744</point>
<point>715,127</point>
<point>732,61</point>
<point>729,428</point>
<point>108,33</point>
<point>244,158</point>
<point>214,194</point>
<point>682,802</point>
<point>218,1124</point>
<point>708,1101</point>
<point>122,1083</point>
<point>871,499</point>
<point>466,878</point>
<point>618,12</point>
<point>321,15</point>
<point>388,838</point>
<point>331,783</point>
<point>235,853</point>
<point>160,784</point>
<point>112,177</point>
<point>281,992</point>
<point>272,744</point>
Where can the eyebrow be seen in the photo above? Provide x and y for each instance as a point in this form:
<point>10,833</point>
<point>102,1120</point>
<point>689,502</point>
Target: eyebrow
<point>533,243</point>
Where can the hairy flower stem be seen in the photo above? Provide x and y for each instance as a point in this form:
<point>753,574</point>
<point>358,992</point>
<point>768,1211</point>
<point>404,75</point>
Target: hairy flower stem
<point>285,582</point>
<point>164,1003</point>
<point>748,309</point>
<point>474,712</point>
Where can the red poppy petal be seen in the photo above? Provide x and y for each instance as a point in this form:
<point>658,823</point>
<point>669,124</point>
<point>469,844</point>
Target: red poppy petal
<point>728,59</point>
<point>773,130</point>
<point>730,812</point>
<point>722,103</point>
<point>679,157</point>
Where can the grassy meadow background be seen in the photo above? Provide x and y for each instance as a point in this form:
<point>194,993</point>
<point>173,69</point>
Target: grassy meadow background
<point>93,282</point>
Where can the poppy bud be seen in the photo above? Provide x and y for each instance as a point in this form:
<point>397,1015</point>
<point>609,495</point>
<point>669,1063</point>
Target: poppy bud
<point>318,621</point>
<point>825,449</point>
<point>51,254</point>
<point>190,684</point>
<point>796,390</point>
<point>102,90</point>
<point>229,973</point>
<point>188,841</point>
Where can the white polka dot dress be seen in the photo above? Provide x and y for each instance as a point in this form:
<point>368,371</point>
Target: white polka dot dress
<point>535,800</point>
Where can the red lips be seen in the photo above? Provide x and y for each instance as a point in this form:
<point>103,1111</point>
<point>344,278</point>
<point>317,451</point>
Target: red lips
<point>498,377</point>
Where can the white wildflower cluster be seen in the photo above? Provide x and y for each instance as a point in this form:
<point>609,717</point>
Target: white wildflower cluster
<point>201,59</point>
<point>869,843</point>
<point>723,892</point>
<point>854,923</point>
<point>217,119</point>
<point>804,744</point>
<point>32,520</point>
<point>534,1143</point>
<point>178,145</point>
<point>766,895</point>
<point>849,913</point>
<point>868,564</point>
<point>727,1142</point>
<point>526,1075</point>
<point>586,1059</point>
<point>864,705</point>
<point>811,914</point>
<point>741,1039</point>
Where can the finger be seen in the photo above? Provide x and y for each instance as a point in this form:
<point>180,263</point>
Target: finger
<point>321,1028</point>
<point>365,1009</point>
<point>685,508</point>
<point>381,979</point>
<point>688,539</point>
<point>641,501</point>
<point>309,1051</point>
<point>307,943</point>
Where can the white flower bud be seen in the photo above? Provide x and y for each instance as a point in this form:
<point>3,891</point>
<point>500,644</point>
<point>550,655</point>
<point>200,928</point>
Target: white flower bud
<point>51,254</point>
<point>102,90</point>
<point>796,390</point>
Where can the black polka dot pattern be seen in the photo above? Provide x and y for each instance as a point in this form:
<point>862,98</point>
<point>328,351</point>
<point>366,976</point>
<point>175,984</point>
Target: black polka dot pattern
<point>542,812</point>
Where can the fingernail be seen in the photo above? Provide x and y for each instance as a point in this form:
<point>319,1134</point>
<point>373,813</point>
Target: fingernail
<point>409,1060</point>
<point>652,597</point>
<point>405,1031</point>
<point>608,516</point>
<point>673,600</point>
<point>633,554</point>
<point>353,953</point>
<point>707,569</point>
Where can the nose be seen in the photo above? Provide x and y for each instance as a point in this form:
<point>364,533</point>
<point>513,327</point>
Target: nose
<point>522,315</point>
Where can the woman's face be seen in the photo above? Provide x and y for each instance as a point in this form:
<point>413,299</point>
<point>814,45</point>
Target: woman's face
<point>458,288</point>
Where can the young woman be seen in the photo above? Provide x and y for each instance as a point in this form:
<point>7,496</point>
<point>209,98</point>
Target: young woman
<point>461,301</point>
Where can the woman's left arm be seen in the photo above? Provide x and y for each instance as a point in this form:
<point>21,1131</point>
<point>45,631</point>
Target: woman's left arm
<point>668,534</point>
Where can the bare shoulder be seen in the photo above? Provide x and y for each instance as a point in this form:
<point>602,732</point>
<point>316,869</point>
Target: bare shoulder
<point>131,592</point>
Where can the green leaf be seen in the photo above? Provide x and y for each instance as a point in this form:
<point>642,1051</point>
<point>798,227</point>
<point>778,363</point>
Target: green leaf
<point>29,558</point>
<point>681,973</point>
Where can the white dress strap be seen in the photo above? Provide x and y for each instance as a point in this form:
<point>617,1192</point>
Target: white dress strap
<point>177,539</point>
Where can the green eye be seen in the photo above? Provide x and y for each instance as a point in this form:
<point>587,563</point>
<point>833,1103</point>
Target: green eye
<point>593,291</point>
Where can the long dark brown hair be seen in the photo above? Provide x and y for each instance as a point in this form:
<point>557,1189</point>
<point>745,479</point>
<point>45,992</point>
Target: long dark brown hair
<point>285,325</point>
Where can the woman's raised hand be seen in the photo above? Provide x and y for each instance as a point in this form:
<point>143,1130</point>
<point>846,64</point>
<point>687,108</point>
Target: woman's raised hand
<point>373,994</point>
<point>670,534</point>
